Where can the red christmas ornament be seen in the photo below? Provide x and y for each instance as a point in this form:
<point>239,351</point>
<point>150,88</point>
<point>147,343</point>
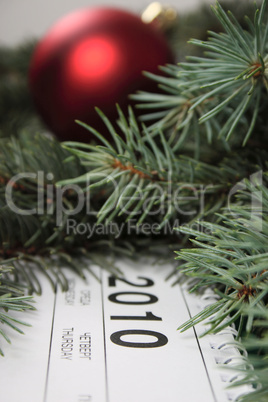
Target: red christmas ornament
<point>92,57</point>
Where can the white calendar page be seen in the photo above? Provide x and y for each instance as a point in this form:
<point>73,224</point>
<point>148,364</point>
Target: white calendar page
<point>116,340</point>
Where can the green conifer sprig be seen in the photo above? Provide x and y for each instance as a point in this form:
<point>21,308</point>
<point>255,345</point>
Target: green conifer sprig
<point>254,373</point>
<point>231,256</point>
<point>12,298</point>
<point>132,171</point>
<point>143,178</point>
<point>29,168</point>
<point>174,110</point>
<point>221,89</point>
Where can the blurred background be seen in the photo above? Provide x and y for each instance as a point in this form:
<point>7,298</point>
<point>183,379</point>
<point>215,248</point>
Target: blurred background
<point>25,19</point>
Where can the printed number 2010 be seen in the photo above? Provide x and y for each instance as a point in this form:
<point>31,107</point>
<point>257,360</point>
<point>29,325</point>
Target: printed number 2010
<point>116,337</point>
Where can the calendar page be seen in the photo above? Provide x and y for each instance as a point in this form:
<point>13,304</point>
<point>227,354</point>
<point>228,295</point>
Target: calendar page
<point>115,339</point>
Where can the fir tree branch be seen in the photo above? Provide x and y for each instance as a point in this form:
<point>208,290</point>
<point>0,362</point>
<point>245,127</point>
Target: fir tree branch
<point>12,298</point>
<point>29,169</point>
<point>143,178</point>
<point>221,90</point>
<point>232,255</point>
<point>254,374</point>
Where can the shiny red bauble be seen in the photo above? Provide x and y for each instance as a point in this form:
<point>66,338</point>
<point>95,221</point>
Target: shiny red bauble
<point>92,57</point>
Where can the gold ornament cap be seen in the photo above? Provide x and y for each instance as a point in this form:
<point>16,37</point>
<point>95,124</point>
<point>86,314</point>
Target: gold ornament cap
<point>163,17</point>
